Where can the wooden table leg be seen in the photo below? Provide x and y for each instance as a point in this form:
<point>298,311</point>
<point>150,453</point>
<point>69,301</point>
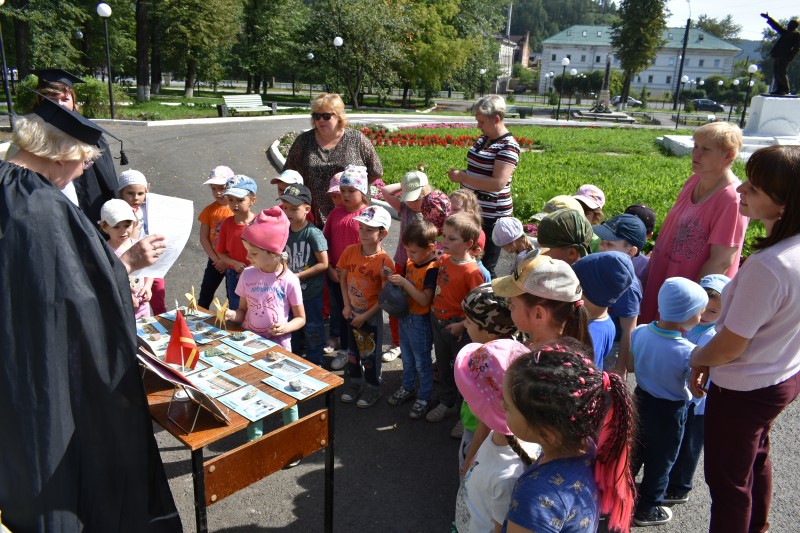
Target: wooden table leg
<point>198,481</point>
<point>328,521</point>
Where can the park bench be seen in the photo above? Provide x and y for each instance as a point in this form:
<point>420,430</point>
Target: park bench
<point>245,103</point>
<point>513,111</point>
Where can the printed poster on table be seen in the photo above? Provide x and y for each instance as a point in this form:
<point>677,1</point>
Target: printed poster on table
<point>248,342</point>
<point>148,328</point>
<point>281,366</point>
<point>251,403</point>
<point>195,316</point>
<point>300,387</point>
<point>224,357</point>
<point>214,382</point>
<point>205,333</point>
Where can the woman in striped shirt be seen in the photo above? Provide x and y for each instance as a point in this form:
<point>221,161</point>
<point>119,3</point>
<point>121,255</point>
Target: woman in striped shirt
<point>490,163</point>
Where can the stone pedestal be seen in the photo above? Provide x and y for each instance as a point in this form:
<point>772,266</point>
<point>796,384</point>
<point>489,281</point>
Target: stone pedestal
<point>605,96</point>
<point>773,116</point>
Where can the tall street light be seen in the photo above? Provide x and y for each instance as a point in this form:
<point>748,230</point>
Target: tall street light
<point>752,69</point>
<point>684,79</point>
<point>338,42</point>
<point>546,83</point>
<point>733,98</point>
<point>482,72</point>
<point>564,64</point>
<point>5,75</point>
<point>104,10</point>
<point>572,74</point>
<point>310,57</point>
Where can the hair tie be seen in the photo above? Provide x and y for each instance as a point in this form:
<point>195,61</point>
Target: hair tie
<point>606,381</point>
<point>579,303</point>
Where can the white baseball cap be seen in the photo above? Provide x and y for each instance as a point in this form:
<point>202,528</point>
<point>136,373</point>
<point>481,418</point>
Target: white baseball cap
<point>115,211</point>
<point>375,216</point>
<point>506,230</point>
<point>292,177</point>
<point>219,176</point>
<point>412,184</point>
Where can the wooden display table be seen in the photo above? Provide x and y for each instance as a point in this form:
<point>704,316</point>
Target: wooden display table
<point>240,467</point>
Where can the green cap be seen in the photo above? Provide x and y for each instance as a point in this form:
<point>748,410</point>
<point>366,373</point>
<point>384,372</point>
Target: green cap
<point>566,228</point>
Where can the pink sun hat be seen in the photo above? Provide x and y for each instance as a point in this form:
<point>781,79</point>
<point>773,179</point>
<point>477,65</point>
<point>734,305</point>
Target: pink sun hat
<point>479,371</point>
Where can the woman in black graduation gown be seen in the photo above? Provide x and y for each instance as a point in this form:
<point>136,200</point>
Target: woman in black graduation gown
<point>77,451</point>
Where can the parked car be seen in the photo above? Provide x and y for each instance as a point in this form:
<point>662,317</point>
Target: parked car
<point>520,89</point>
<point>704,104</point>
<point>633,102</point>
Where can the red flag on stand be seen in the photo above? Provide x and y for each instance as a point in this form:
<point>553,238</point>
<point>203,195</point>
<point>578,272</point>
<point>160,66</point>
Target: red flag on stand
<point>181,349</point>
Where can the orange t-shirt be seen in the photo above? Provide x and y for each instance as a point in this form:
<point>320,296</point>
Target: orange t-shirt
<point>452,284</point>
<point>364,275</point>
<point>422,277</point>
<point>212,216</point>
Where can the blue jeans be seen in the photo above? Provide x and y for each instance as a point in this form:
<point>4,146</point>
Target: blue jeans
<point>682,473</point>
<point>211,280</point>
<point>661,425</point>
<point>313,331</point>
<point>338,325</point>
<point>447,348</point>
<point>231,280</point>
<point>364,352</point>
<point>416,343</point>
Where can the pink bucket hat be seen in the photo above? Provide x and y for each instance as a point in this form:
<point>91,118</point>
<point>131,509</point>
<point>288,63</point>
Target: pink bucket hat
<point>333,185</point>
<point>479,372</point>
<point>269,231</point>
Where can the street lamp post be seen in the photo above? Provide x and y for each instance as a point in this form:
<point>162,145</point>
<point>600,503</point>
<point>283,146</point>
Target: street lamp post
<point>338,42</point>
<point>564,64</point>
<point>310,57</point>
<point>546,83</point>
<point>733,97</point>
<point>752,69</point>
<point>482,72</point>
<point>5,75</point>
<point>572,74</point>
<point>104,11</point>
<point>684,79</point>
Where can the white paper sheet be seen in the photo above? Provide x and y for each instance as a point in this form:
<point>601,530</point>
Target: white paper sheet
<point>172,218</point>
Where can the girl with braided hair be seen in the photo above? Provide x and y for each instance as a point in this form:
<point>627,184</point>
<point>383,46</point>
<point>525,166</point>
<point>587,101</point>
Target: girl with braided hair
<point>583,419</point>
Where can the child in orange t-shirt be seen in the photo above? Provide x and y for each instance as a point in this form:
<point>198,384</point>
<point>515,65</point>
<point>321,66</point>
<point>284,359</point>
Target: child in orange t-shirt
<point>210,219</point>
<point>458,274</point>
<point>240,192</point>
<point>363,269</point>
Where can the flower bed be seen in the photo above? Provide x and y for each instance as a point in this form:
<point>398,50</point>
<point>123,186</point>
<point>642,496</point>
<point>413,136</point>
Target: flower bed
<point>382,137</point>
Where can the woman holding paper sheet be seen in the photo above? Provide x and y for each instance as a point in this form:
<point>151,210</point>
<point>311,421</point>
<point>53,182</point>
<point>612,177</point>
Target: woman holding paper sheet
<point>79,452</point>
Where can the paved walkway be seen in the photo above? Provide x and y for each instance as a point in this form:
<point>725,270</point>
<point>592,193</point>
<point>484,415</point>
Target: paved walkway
<point>393,474</point>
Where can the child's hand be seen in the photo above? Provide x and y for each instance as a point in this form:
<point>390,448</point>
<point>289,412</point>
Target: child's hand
<point>230,315</point>
<point>456,329</point>
<point>240,267</point>
<point>358,320</point>
<point>146,294</point>
<point>220,265</point>
<point>698,381</point>
<point>347,311</point>
<point>278,329</point>
<point>386,271</point>
<point>333,274</point>
<point>396,279</point>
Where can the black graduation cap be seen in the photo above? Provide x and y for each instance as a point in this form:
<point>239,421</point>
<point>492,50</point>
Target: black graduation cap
<point>57,74</point>
<point>69,122</point>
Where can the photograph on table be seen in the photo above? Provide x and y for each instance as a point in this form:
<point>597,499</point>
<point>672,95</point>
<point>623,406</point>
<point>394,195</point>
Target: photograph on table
<point>251,403</point>
<point>248,342</point>
<point>214,382</point>
<point>224,357</point>
<point>204,333</point>
<point>283,368</point>
<point>300,386</point>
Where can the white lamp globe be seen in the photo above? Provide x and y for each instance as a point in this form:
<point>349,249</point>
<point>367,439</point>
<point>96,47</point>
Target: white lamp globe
<point>565,62</point>
<point>684,79</point>
<point>104,10</point>
<point>573,71</point>
<point>338,41</point>
<point>752,69</point>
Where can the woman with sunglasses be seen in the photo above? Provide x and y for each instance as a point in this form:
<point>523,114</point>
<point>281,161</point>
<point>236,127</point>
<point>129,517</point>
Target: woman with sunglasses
<point>327,149</point>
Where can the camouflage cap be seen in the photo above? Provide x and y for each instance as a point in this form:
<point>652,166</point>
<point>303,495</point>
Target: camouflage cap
<point>565,228</point>
<point>489,311</point>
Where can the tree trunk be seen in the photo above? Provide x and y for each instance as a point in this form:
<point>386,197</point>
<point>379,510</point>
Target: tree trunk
<point>249,83</point>
<point>626,88</point>
<point>191,76</point>
<point>256,83</point>
<point>142,49</point>
<point>22,33</point>
<point>85,61</point>
<point>405,95</point>
<point>155,57</point>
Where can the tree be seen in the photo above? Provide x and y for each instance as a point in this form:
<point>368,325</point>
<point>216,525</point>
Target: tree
<point>198,34</point>
<point>724,28</point>
<point>637,36</point>
<point>142,49</point>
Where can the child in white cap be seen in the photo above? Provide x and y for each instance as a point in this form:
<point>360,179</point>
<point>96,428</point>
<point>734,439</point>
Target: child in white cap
<point>119,223</point>
<point>210,219</point>
<point>286,178</point>
<point>509,235</point>
<point>660,359</point>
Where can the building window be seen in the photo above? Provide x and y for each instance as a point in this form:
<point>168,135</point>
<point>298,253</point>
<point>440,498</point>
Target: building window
<point>672,61</point>
<point>552,57</point>
<point>583,59</point>
<point>569,56</point>
<point>599,33</point>
<point>686,63</point>
<point>569,33</point>
<point>596,59</point>
<point>701,62</point>
<point>638,79</point>
<point>669,80</point>
<point>650,78</point>
<point>583,33</point>
<point>669,36</point>
<point>716,63</point>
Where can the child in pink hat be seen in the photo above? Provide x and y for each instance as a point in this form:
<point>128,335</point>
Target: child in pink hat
<point>271,301</point>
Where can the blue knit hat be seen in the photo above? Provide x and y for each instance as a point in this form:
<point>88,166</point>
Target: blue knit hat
<point>715,282</point>
<point>679,299</point>
<point>604,276</point>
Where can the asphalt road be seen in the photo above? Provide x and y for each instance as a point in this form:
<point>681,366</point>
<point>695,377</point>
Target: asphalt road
<point>392,474</point>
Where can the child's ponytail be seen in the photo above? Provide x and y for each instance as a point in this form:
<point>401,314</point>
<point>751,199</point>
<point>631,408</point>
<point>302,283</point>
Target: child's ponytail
<point>577,323</point>
<point>514,444</point>
<point>612,471</point>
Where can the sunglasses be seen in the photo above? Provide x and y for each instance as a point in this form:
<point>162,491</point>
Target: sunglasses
<point>88,164</point>
<point>323,116</point>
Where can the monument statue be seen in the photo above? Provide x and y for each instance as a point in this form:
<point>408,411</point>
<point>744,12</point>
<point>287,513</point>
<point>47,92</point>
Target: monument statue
<point>783,51</point>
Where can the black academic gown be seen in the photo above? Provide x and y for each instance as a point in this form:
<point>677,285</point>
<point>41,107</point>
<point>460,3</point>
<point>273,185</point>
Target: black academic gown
<point>77,451</point>
<point>98,184</point>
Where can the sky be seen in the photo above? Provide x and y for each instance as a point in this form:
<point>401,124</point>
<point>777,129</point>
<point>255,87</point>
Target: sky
<point>745,12</point>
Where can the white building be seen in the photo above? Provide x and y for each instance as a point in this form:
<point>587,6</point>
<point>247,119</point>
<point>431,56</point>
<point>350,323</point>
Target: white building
<point>587,48</point>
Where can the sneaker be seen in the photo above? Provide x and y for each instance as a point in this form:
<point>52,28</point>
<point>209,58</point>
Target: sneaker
<point>458,430</point>
<point>351,394</point>
<point>391,354</point>
<point>401,396</point>
<point>418,409</point>
<point>660,515</point>
<point>330,347</point>
<point>672,498</point>
<point>370,396</point>
<point>438,413</point>
<point>339,360</point>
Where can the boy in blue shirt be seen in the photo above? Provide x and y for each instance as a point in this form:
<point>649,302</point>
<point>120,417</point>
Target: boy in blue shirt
<point>660,358</point>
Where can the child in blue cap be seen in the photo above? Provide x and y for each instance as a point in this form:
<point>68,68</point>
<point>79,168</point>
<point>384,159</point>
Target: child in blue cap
<point>660,359</point>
